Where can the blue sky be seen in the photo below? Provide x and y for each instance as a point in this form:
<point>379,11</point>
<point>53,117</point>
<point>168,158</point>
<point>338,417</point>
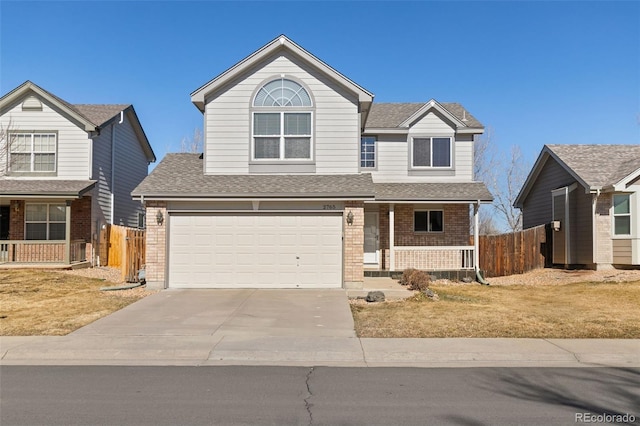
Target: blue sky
<point>534,72</point>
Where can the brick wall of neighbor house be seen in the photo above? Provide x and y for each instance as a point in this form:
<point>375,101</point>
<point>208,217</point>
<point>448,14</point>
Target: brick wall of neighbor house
<point>156,247</point>
<point>604,250</point>
<point>354,245</point>
<point>16,220</point>
<point>81,219</point>
<point>456,233</point>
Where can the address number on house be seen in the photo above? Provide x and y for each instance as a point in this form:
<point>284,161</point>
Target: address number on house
<point>329,207</point>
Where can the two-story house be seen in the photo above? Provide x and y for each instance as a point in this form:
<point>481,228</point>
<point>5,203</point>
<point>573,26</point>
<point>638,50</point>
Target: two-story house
<point>65,171</point>
<point>305,182</point>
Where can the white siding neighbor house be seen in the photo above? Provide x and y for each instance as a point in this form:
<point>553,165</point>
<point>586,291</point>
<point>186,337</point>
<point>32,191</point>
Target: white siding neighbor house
<point>66,170</point>
<point>305,182</point>
<point>590,194</point>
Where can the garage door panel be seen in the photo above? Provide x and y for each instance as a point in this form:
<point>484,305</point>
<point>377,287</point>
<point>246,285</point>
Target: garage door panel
<point>255,250</point>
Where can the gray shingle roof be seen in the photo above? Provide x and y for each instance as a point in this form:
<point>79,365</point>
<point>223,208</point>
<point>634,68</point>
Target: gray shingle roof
<point>99,113</point>
<point>390,115</point>
<point>181,175</point>
<point>51,187</point>
<point>599,165</point>
<point>459,191</point>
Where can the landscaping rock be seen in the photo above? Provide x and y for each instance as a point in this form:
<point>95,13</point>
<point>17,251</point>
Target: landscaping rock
<point>375,296</point>
<point>467,280</point>
<point>431,294</point>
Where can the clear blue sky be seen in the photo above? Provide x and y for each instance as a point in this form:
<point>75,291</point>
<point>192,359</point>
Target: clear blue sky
<point>535,72</point>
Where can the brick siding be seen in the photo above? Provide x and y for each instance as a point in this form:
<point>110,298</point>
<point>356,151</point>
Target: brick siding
<point>354,245</point>
<point>156,246</point>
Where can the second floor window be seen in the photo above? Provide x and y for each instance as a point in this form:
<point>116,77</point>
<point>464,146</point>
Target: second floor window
<point>32,152</point>
<point>282,122</point>
<point>431,152</point>
<point>367,152</point>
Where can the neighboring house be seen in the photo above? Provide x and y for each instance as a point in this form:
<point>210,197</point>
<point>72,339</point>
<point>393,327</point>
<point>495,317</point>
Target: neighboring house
<point>65,171</point>
<point>590,194</point>
<point>304,182</point>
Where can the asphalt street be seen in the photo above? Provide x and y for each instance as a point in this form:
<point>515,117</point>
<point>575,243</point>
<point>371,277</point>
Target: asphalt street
<point>236,395</point>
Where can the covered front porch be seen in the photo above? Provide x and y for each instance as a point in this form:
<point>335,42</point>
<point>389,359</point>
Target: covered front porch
<point>44,227</point>
<point>422,226</point>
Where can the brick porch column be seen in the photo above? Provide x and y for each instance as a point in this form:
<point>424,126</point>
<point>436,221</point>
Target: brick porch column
<point>354,245</point>
<point>156,245</point>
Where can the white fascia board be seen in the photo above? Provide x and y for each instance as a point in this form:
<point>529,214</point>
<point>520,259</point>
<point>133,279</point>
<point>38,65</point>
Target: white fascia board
<point>199,95</point>
<point>472,130</point>
<point>385,131</point>
<point>433,104</point>
<point>22,90</point>
<point>626,181</point>
<point>216,199</point>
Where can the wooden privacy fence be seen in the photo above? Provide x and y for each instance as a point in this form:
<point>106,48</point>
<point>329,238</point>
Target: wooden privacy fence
<point>515,253</point>
<point>125,250</point>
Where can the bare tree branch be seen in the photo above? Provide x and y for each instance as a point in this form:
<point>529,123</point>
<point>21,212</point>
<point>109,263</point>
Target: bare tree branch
<point>194,144</point>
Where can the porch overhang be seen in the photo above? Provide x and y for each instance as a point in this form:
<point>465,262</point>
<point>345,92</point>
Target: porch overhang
<point>457,192</point>
<point>58,189</point>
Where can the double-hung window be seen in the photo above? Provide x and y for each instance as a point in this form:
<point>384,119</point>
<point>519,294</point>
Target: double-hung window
<point>621,214</point>
<point>32,152</point>
<point>428,221</point>
<point>431,152</point>
<point>367,152</point>
<point>282,122</point>
<point>45,221</point>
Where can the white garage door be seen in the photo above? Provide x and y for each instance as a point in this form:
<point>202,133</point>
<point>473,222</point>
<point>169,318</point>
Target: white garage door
<point>255,251</point>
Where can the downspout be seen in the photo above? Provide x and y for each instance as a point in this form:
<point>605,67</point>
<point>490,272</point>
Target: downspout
<point>476,244</point>
<point>113,166</point>
<point>567,229</point>
<point>594,228</point>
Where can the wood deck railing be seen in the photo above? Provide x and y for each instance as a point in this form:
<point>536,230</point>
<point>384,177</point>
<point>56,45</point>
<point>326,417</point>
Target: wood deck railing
<point>38,251</point>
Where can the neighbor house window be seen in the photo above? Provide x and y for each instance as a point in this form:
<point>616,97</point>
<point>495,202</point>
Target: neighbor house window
<point>428,221</point>
<point>45,221</point>
<point>367,152</point>
<point>32,152</point>
<point>621,214</point>
<point>282,122</point>
<point>431,152</point>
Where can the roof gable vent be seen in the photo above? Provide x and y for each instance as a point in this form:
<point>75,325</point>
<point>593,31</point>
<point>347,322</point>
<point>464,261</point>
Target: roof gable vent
<point>32,104</point>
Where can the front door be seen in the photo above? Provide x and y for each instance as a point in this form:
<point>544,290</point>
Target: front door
<point>4,222</point>
<point>371,238</point>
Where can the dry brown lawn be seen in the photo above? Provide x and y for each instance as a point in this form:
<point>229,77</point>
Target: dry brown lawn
<point>605,309</point>
<point>55,303</point>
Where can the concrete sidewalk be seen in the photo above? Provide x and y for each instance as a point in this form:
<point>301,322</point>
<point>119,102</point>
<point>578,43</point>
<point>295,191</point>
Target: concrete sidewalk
<point>316,351</point>
<point>284,327</point>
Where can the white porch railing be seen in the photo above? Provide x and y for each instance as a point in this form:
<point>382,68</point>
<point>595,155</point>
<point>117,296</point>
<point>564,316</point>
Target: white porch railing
<point>40,251</point>
<point>434,258</point>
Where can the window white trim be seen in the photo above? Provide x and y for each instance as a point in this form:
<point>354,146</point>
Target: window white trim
<point>31,151</point>
<point>363,153</point>
<point>282,136</point>
<point>615,215</point>
<point>428,223</point>
<point>430,166</point>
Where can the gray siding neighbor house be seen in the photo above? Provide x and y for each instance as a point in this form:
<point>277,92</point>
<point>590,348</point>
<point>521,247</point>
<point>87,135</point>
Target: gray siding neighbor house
<point>306,182</point>
<point>590,194</point>
<point>66,170</point>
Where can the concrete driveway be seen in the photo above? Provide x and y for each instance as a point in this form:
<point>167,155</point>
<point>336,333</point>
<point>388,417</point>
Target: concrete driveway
<point>246,312</point>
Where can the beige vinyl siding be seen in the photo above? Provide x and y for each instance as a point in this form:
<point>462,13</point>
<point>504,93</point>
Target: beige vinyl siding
<point>537,206</point>
<point>228,121</point>
<point>72,143</point>
<point>622,251</point>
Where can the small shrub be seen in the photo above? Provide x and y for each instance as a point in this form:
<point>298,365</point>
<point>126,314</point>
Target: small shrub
<point>415,279</point>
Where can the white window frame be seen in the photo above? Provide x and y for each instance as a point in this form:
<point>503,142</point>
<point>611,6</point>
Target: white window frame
<point>615,215</point>
<point>48,220</point>
<point>363,153</point>
<point>32,152</point>
<point>428,211</point>
<point>431,167</point>
<point>282,136</point>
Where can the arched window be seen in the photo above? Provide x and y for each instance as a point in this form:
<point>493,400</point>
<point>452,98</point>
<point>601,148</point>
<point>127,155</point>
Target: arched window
<point>282,122</point>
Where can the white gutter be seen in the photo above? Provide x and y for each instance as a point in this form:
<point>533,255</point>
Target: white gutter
<point>594,228</point>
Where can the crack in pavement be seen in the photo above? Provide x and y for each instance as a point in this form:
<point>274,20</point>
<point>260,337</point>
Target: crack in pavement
<point>307,404</point>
